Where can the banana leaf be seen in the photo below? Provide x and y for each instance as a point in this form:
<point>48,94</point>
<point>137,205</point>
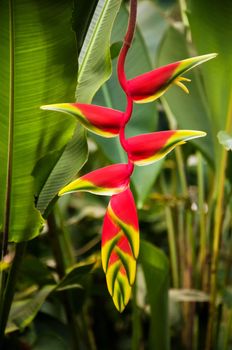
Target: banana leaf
<point>38,65</point>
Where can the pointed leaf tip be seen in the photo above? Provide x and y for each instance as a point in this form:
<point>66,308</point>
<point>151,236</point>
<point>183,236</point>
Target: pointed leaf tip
<point>100,120</point>
<point>105,181</point>
<point>151,85</point>
<point>149,148</point>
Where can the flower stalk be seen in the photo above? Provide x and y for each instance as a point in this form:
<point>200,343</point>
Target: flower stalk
<point>120,233</point>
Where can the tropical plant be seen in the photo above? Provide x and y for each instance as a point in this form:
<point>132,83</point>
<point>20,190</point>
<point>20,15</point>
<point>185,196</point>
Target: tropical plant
<point>52,291</point>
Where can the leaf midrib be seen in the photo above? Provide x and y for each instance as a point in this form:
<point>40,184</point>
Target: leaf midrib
<point>10,131</point>
<point>82,64</point>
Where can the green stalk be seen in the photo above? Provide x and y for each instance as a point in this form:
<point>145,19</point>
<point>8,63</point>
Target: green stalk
<point>55,233</point>
<point>64,258</point>
<point>65,242</point>
<point>183,11</point>
<point>172,247</point>
<point>181,171</point>
<point>203,235</point>
<point>136,323</point>
<point>171,240</point>
<point>228,330</point>
<point>180,162</point>
<point>181,242</point>
<point>8,293</point>
<point>220,183</point>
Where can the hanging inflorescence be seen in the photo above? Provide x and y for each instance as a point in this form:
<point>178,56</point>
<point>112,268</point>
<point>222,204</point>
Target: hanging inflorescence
<point>120,233</point>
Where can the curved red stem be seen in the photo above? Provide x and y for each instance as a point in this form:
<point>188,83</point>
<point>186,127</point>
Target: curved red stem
<point>122,77</point>
<point>126,44</point>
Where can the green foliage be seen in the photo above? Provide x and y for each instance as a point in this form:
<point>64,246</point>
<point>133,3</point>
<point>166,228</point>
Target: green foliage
<point>38,61</point>
<point>60,299</point>
<point>65,166</point>
<point>210,23</point>
<point>156,271</point>
<point>24,311</point>
<point>94,58</point>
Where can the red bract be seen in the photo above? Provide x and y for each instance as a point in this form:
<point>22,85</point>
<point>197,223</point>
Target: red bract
<point>149,148</point>
<point>105,181</point>
<point>150,86</point>
<point>120,247</point>
<point>100,120</point>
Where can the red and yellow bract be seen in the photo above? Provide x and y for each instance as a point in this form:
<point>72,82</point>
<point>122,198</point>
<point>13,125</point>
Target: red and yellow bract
<point>151,85</point>
<point>149,148</point>
<point>100,120</point>
<point>105,181</point>
<point>120,247</point>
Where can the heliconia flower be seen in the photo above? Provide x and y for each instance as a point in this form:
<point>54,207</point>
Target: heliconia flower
<point>100,120</point>
<point>149,148</point>
<point>151,85</point>
<point>120,247</point>
<point>105,181</point>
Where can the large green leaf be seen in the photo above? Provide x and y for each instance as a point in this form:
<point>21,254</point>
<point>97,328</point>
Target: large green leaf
<point>66,164</point>
<point>211,29</point>
<point>156,271</point>
<point>190,111</point>
<point>23,312</point>
<point>94,58</point>
<point>38,60</point>
<point>144,116</point>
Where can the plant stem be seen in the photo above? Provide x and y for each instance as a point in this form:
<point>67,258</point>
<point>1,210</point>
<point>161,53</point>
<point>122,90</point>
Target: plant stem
<point>220,183</point>
<point>122,77</point>
<point>55,233</point>
<point>172,247</point>
<point>203,242</point>
<point>136,323</point>
<point>228,330</point>
<point>171,240</point>
<point>126,45</point>
<point>8,293</point>
<point>183,11</point>
<point>178,153</point>
<point>65,242</point>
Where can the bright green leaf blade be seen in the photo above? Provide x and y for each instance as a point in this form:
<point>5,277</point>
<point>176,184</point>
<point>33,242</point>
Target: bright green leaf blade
<point>67,165</point>
<point>225,140</point>
<point>43,54</point>
<point>156,271</point>
<point>94,58</point>
<point>144,116</point>
<point>190,111</point>
<point>210,23</point>
<point>23,313</point>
